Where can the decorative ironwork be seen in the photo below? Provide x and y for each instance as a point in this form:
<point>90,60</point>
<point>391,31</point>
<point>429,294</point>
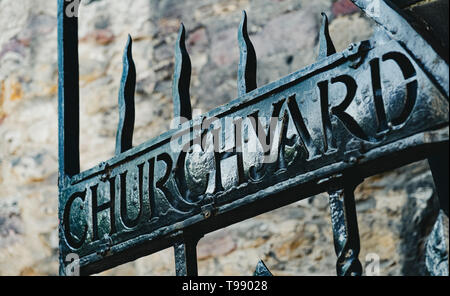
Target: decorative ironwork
<point>377,105</point>
<point>436,259</point>
<point>124,140</point>
<point>261,269</point>
<point>345,227</point>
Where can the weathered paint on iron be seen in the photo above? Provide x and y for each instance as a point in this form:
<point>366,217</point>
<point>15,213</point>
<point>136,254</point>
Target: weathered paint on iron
<point>371,108</point>
<point>124,137</point>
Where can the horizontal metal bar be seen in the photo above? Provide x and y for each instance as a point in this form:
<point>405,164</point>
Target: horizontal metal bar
<point>266,200</point>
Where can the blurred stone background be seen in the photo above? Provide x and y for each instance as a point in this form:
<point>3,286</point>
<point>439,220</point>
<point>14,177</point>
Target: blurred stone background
<point>395,211</point>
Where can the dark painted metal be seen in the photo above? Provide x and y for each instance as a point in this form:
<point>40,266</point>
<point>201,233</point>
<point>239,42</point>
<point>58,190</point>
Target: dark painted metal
<point>247,60</point>
<point>68,93</point>
<point>377,105</point>
<point>339,223</point>
<point>398,28</point>
<point>124,137</point>
<point>436,254</point>
<point>185,251</point>
<point>182,79</point>
<point>326,46</point>
<point>405,3</point>
<point>262,270</point>
<point>68,105</point>
<point>186,255</point>
<point>345,227</point>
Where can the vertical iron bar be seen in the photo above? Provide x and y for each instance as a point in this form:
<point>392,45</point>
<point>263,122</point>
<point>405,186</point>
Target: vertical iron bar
<point>181,80</point>
<point>186,256</point>
<point>247,60</point>
<point>397,27</point>
<point>68,91</point>
<point>439,169</point>
<point>345,227</point>
<point>185,251</point>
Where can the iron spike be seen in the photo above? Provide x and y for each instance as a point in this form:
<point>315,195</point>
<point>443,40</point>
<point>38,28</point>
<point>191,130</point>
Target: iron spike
<point>395,24</point>
<point>247,60</point>
<point>326,47</point>
<point>124,137</point>
<point>261,269</point>
<point>181,79</point>
<point>345,226</point>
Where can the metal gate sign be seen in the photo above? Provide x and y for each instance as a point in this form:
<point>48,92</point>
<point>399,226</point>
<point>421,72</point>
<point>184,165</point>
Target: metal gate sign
<point>375,106</point>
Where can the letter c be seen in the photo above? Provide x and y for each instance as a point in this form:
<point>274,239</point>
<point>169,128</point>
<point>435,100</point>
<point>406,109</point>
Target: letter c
<point>73,242</point>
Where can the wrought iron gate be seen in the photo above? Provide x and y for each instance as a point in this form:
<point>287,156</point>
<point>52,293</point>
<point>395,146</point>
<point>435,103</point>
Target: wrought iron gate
<point>321,129</point>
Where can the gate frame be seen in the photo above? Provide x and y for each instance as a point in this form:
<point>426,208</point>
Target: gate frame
<point>342,201</point>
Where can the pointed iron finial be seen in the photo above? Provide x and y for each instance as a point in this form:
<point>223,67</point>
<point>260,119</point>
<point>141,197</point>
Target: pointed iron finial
<point>247,60</point>
<point>326,47</point>
<point>262,270</point>
<point>182,79</point>
<point>124,137</point>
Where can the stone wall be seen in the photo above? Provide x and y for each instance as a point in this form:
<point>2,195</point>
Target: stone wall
<point>394,210</point>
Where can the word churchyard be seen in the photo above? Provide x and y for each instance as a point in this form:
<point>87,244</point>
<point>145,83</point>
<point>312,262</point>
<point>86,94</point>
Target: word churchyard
<point>367,109</point>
